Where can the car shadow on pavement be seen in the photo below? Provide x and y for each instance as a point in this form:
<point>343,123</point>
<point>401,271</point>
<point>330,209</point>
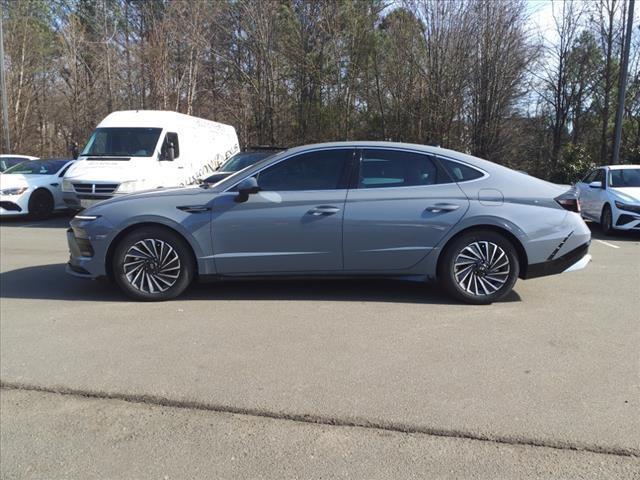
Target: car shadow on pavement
<point>50,282</point>
<point>58,220</point>
<point>616,236</point>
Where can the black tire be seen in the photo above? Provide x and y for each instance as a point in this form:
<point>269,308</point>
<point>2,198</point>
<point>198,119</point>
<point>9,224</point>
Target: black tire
<point>40,204</point>
<point>146,259</point>
<point>606,220</point>
<point>487,280</point>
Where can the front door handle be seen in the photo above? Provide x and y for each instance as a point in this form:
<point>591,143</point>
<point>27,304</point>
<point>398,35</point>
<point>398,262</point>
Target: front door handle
<point>323,210</point>
<point>442,207</point>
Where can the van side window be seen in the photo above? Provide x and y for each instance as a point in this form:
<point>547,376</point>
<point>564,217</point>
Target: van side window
<point>460,172</point>
<point>170,138</point>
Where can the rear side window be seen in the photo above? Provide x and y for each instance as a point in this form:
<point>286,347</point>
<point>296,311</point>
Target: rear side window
<point>395,168</point>
<point>460,172</point>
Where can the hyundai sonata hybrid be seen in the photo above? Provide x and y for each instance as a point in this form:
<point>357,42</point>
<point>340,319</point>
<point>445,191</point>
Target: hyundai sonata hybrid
<point>347,209</point>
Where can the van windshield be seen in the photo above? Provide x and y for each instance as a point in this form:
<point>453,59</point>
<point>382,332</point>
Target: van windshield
<point>130,142</point>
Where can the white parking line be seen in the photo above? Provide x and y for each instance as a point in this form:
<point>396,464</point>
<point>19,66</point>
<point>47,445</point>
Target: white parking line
<point>607,244</point>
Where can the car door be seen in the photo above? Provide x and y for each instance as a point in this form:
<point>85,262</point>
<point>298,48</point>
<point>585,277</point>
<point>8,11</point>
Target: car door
<point>584,192</point>
<point>592,195</point>
<point>404,204</point>
<point>293,224</point>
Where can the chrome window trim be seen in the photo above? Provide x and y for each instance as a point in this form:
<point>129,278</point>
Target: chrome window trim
<point>485,174</point>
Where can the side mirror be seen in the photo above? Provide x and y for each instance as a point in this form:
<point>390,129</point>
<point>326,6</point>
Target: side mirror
<point>247,187</point>
<point>595,184</point>
<point>168,153</point>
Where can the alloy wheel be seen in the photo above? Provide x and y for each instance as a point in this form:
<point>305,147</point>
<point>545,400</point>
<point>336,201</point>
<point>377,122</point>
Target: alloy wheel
<point>481,268</point>
<point>152,265</point>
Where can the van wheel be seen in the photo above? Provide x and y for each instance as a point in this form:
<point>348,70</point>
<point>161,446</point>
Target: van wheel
<point>153,264</point>
<point>479,267</point>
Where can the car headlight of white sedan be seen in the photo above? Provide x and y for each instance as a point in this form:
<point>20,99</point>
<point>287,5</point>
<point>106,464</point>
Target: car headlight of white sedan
<point>14,191</point>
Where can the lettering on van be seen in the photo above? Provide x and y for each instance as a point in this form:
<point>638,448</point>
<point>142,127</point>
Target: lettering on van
<point>210,167</point>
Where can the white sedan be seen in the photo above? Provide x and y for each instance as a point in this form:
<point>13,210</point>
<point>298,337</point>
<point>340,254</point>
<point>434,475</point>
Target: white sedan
<point>610,195</point>
<point>33,187</point>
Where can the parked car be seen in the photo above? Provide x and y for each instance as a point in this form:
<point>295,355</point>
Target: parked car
<point>131,151</point>
<point>339,209</point>
<point>242,160</point>
<point>610,196</point>
<point>33,187</point>
<point>7,161</point>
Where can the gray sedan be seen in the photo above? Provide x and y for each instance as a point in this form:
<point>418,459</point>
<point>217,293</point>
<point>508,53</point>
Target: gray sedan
<point>339,209</point>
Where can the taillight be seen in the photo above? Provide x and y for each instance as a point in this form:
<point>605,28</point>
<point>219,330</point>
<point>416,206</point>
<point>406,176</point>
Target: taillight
<point>569,203</point>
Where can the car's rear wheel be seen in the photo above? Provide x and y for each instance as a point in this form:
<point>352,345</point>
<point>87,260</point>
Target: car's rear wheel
<point>479,267</point>
<point>606,220</point>
<point>40,204</point>
<point>153,264</point>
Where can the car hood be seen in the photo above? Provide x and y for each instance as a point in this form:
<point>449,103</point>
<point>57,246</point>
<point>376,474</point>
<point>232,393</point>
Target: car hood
<point>18,180</point>
<point>627,194</point>
<point>104,170</point>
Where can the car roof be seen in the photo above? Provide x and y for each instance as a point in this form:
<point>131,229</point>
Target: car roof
<point>620,167</point>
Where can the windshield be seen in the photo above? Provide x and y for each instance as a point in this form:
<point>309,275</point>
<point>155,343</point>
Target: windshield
<point>624,177</point>
<point>130,142</point>
<point>243,160</point>
<point>37,167</point>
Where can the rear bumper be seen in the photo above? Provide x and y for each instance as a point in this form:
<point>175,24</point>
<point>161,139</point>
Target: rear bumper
<point>576,259</point>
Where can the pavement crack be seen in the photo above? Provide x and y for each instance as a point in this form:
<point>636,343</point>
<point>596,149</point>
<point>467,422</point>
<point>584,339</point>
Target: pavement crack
<point>155,400</point>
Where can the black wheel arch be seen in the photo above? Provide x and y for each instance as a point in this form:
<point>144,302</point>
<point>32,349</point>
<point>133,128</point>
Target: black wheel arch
<point>137,226</point>
<point>523,260</point>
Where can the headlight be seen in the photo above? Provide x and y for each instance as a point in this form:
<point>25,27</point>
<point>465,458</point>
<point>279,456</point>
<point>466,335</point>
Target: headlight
<point>627,207</point>
<point>87,218</point>
<point>131,186</point>
<point>14,191</point>
<point>67,186</point>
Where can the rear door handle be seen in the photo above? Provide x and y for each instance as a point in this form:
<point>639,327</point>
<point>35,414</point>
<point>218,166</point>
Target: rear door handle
<point>323,210</point>
<point>442,207</point>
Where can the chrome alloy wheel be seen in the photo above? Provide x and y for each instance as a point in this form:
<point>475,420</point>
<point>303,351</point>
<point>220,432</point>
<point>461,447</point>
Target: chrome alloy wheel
<point>151,265</point>
<point>481,268</point>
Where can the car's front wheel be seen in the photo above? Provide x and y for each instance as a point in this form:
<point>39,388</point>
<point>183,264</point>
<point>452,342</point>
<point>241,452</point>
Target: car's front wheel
<point>479,267</point>
<point>606,220</point>
<point>40,204</point>
<point>152,264</point>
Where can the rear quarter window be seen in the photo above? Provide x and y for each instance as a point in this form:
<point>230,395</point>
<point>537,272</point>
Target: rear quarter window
<point>460,172</point>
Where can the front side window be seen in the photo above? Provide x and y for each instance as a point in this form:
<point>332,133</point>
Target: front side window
<point>322,170</point>
<point>599,176</point>
<point>129,142</point>
<point>395,168</point>
<point>590,176</point>
<point>624,177</point>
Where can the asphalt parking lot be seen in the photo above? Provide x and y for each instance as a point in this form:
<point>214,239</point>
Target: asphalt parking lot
<point>319,379</point>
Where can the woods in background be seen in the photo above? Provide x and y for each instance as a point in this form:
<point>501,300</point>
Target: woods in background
<point>472,75</point>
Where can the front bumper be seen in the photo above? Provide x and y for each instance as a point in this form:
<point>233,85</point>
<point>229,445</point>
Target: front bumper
<point>14,205</point>
<point>82,258</point>
<point>626,220</point>
<point>576,259</point>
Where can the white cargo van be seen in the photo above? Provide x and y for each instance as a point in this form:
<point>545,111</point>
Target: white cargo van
<point>138,150</point>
